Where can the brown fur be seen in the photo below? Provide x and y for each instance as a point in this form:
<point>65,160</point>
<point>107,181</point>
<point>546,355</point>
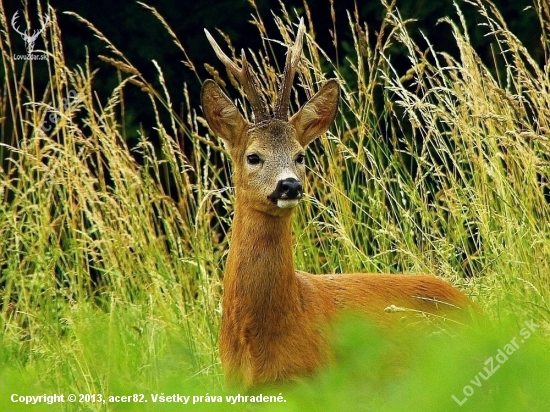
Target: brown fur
<point>275,320</point>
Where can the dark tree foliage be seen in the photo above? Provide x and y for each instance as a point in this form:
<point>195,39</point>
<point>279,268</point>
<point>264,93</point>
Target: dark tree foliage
<point>142,38</point>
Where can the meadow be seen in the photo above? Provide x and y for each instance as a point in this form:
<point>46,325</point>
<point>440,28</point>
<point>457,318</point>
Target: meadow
<point>112,255</point>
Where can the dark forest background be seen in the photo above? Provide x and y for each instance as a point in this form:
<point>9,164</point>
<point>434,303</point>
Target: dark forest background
<point>142,38</point>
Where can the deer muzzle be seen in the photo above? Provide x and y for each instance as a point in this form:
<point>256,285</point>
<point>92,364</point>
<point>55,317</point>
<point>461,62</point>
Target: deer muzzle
<point>288,193</point>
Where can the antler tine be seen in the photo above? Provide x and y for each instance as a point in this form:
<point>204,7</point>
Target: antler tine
<point>245,76</point>
<point>14,22</point>
<point>291,65</point>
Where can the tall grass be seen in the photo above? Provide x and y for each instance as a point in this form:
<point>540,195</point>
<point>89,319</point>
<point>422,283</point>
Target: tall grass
<point>111,267</point>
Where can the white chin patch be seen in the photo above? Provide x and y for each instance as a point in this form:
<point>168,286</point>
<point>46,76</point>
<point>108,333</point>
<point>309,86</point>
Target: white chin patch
<point>287,203</point>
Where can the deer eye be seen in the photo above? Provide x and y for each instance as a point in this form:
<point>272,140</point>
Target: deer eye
<point>300,158</point>
<point>253,159</point>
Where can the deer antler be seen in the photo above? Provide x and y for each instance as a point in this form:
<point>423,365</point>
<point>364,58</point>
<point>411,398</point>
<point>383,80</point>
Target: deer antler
<point>291,65</point>
<point>29,40</point>
<point>26,37</point>
<point>37,32</point>
<point>13,24</point>
<point>246,77</point>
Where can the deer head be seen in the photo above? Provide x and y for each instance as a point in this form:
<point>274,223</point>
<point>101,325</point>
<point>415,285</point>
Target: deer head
<point>268,154</point>
<point>29,40</point>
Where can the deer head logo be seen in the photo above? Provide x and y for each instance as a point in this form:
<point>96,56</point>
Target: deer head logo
<point>29,40</point>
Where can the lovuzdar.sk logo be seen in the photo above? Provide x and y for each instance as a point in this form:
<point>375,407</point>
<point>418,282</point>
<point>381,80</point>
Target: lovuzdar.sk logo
<point>29,39</point>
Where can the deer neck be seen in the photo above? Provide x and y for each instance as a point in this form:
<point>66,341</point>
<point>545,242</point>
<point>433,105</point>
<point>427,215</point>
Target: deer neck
<point>259,271</point>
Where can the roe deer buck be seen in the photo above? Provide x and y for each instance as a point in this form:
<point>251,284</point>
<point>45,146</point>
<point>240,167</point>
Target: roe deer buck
<point>274,317</point>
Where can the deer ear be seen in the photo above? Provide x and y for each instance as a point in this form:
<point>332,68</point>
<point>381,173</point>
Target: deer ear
<point>221,114</point>
<point>316,116</point>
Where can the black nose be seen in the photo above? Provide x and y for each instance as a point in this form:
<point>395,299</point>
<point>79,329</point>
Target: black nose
<point>288,188</point>
<point>291,188</point>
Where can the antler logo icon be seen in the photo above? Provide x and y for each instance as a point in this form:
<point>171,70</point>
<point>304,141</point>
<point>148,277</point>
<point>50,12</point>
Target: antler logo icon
<point>29,40</point>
